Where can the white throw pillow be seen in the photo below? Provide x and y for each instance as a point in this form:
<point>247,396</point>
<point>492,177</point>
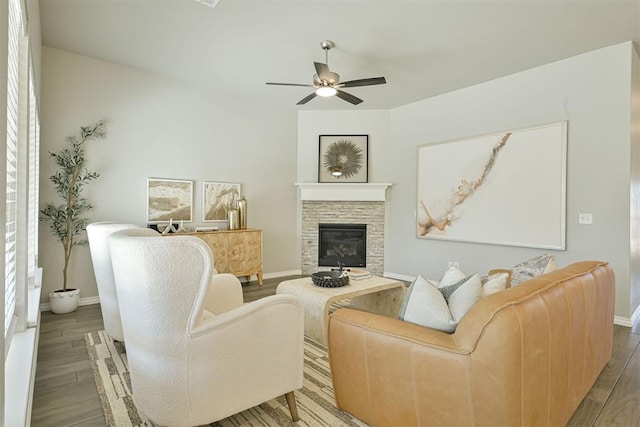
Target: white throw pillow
<point>440,308</point>
<point>494,283</point>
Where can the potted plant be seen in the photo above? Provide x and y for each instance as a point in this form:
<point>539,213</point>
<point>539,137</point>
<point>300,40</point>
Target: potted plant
<point>66,220</point>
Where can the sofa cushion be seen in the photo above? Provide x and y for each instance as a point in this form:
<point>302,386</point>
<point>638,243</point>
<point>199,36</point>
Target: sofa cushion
<point>533,267</point>
<point>440,308</point>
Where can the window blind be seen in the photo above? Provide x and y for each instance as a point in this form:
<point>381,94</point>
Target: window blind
<point>15,27</point>
<point>34,165</point>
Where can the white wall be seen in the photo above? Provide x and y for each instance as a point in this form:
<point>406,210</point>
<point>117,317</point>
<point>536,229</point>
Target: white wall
<point>590,91</point>
<point>161,128</point>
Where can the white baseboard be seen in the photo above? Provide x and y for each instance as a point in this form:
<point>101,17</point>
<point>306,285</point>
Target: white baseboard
<point>622,321</point>
<point>83,301</point>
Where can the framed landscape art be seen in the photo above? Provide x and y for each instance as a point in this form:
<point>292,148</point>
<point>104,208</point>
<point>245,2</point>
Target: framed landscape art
<point>169,199</point>
<point>343,158</point>
<point>507,188</point>
<point>217,199</point>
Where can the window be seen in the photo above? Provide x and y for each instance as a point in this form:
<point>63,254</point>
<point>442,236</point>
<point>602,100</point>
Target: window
<point>13,52</point>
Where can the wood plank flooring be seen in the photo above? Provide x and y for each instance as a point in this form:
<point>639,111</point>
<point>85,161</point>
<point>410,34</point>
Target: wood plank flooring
<point>65,392</point>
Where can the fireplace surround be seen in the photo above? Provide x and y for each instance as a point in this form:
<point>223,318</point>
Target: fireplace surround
<point>344,204</point>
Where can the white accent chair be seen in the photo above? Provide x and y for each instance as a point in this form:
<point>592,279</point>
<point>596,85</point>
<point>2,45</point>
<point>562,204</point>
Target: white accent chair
<point>196,353</point>
<point>98,235</point>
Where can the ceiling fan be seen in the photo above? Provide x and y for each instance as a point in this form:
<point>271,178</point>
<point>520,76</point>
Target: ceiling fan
<point>328,83</point>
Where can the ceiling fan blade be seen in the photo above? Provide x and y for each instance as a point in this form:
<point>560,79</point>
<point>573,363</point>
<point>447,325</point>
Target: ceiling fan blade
<point>289,84</point>
<point>348,97</point>
<point>322,70</point>
<point>307,98</point>
<point>364,82</point>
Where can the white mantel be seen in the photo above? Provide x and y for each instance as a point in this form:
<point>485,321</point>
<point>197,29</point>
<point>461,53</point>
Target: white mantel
<point>361,192</point>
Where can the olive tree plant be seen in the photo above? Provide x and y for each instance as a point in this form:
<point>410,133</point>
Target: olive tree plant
<point>66,220</point>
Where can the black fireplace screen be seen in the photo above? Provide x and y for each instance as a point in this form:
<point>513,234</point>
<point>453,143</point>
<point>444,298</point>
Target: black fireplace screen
<point>342,243</point>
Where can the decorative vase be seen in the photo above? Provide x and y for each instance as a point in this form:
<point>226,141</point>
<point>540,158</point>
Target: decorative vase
<point>242,212</point>
<point>62,302</point>
<point>234,220</point>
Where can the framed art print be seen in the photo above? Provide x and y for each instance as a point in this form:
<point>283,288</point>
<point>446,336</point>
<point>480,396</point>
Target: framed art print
<point>217,199</point>
<point>343,158</point>
<point>169,199</point>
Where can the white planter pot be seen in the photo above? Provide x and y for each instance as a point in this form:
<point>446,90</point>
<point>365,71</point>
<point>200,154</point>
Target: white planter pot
<point>62,302</point>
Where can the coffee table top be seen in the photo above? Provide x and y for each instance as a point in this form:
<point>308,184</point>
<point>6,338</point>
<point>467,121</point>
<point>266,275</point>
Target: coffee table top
<point>354,288</point>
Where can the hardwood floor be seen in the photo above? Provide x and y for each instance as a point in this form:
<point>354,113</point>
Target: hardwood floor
<point>65,392</point>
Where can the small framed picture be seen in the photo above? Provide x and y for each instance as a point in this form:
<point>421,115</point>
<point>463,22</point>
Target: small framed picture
<point>217,199</point>
<point>343,158</point>
<point>169,199</point>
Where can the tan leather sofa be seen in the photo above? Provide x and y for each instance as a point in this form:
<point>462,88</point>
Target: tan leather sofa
<point>525,356</point>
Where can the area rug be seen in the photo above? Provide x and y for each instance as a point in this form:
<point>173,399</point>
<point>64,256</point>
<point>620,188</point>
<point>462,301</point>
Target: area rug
<point>315,400</point>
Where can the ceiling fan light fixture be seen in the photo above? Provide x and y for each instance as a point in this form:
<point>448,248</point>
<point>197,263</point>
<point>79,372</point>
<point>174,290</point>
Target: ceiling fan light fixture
<point>326,91</point>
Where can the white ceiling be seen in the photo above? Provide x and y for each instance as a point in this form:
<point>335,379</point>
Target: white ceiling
<point>423,48</point>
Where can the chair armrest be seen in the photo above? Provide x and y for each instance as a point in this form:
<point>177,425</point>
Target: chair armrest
<point>250,354</point>
<point>263,312</point>
<point>224,294</point>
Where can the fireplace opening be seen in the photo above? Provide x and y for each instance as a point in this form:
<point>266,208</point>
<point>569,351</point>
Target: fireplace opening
<point>342,243</point>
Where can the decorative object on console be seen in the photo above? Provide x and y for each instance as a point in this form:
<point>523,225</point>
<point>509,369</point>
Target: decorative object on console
<point>169,199</point>
<point>533,267</point>
<point>469,189</point>
<point>234,220</point>
<point>343,158</point>
<point>217,199</point>
<point>66,221</point>
<point>242,213</point>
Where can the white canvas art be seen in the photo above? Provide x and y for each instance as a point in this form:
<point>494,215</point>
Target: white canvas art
<point>507,188</point>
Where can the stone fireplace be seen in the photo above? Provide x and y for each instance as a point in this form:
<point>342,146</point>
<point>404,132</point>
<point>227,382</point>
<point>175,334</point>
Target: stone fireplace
<point>344,204</point>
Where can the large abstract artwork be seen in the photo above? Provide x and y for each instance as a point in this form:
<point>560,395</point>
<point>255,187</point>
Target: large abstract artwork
<point>507,188</point>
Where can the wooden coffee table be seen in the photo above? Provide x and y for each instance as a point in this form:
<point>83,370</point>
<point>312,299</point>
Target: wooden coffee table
<point>377,294</point>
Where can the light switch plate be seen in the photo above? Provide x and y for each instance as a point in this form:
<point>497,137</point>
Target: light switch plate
<point>585,218</point>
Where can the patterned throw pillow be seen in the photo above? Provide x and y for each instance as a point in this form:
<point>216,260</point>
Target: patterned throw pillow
<point>440,307</point>
<point>533,267</point>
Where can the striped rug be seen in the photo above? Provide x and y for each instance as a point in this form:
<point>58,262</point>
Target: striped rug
<point>315,401</point>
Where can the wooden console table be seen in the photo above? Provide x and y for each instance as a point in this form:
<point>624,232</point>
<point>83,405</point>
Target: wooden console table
<point>238,252</point>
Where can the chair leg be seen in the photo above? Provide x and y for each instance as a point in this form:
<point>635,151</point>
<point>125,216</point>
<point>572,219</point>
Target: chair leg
<point>291,402</point>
